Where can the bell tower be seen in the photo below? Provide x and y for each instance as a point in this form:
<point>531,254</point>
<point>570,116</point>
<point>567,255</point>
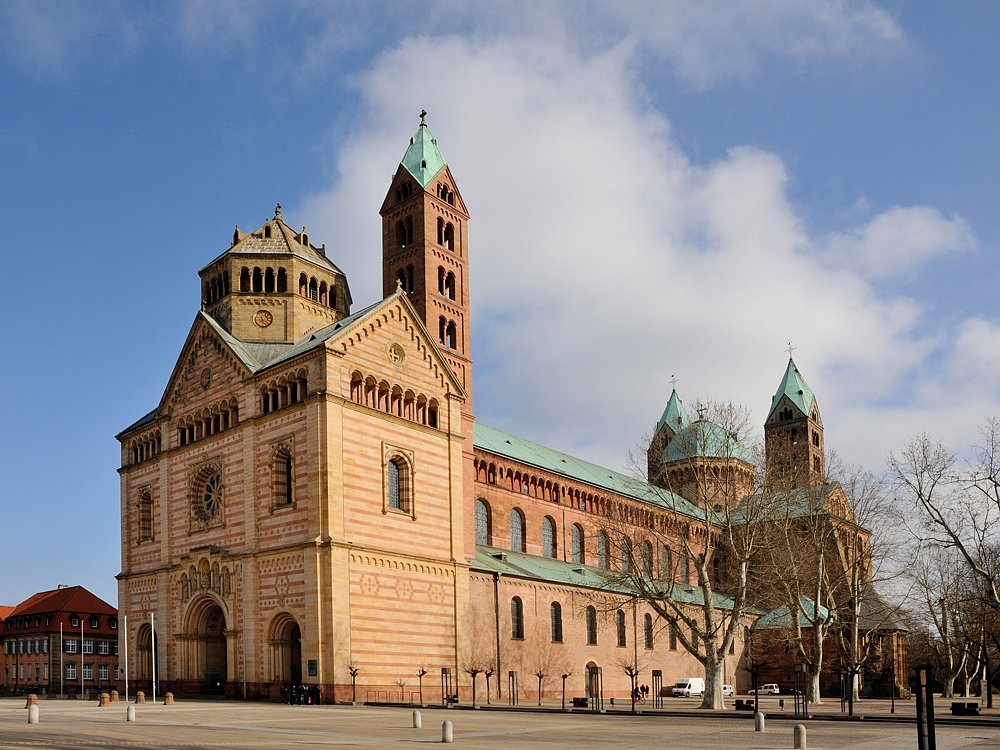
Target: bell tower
<point>793,435</point>
<point>425,249</point>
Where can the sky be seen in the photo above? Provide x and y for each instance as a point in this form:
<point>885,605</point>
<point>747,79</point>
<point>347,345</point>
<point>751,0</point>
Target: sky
<point>658,191</point>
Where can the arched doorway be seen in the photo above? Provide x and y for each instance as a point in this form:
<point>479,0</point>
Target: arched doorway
<point>207,647</point>
<point>286,650</point>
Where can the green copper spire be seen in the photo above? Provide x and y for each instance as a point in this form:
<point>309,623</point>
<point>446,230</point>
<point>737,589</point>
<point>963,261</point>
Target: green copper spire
<point>423,159</point>
<point>793,385</point>
<point>674,415</point>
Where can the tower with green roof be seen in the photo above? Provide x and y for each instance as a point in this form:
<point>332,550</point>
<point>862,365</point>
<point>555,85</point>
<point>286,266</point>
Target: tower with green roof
<point>673,420</point>
<point>793,435</point>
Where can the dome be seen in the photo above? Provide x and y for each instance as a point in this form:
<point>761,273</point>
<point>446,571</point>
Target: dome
<point>704,439</point>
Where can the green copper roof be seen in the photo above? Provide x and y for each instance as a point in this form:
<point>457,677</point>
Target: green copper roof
<point>781,619</point>
<point>515,448</point>
<point>423,159</point>
<point>704,439</point>
<point>794,386</point>
<point>674,415</point>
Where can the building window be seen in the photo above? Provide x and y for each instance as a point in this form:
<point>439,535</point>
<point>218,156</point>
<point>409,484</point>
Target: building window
<point>620,626</point>
<point>74,622</point>
<point>399,484</point>
<point>145,515</point>
<point>482,523</point>
<point>71,671</point>
<point>647,630</point>
<point>282,475</point>
<point>516,618</point>
<point>88,647</point>
<point>548,537</point>
<point>113,623</point>
<point>816,464</point>
<point>602,550</point>
<point>666,564</point>
<point>516,531</point>
<point>555,615</point>
<point>102,671</point>
<point>627,566</point>
<point>88,671</point>
<point>673,637</point>
<point>69,646</point>
<point>684,572</point>
<point>591,626</point>
<point>646,551</point>
<point>104,647</point>
<point>576,541</point>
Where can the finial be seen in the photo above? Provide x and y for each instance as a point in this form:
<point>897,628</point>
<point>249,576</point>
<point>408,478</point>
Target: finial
<point>399,284</point>
<point>673,383</point>
<point>701,412</point>
<point>790,349</point>
<point>277,211</point>
<point>423,114</point>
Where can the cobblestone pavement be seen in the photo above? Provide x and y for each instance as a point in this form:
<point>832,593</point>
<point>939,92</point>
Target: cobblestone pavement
<point>217,724</point>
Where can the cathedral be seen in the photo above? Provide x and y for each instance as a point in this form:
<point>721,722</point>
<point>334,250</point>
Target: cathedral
<point>313,502</point>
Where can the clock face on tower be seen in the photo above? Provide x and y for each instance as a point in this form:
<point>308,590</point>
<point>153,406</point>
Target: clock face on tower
<point>263,318</point>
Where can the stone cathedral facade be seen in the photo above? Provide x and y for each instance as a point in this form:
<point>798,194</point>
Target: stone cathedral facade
<point>312,502</point>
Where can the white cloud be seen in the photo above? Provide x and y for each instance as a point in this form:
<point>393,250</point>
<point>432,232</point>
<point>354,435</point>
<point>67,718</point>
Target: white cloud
<point>900,240</point>
<point>603,260</point>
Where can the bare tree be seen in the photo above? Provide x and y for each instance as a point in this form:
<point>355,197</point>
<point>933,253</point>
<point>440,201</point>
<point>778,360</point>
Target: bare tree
<point>354,667</point>
<point>401,681</point>
<point>707,512</point>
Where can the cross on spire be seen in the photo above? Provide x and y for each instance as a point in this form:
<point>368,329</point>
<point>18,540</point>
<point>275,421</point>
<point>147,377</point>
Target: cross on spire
<point>790,349</point>
<point>673,383</point>
<point>423,114</point>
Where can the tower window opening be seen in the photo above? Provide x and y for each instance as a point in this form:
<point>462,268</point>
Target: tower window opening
<point>303,285</point>
<point>269,281</point>
<point>282,281</point>
<point>440,228</point>
<point>258,281</point>
<point>815,437</point>
<point>409,230</point>
<point>267,231</point>
<point>423,164</point>
<point>451,336</point>
<point>449,237</point>
<point>816,466</point>
<point>305,239</point>
<point>313,289</point>
<point>322,293</point>
<point>449,286</point>
<point>441,275</point>
<point>245,280</point>
<point>401,234</point>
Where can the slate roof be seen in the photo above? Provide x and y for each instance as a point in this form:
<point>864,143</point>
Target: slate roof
<point>423,159</point>
<point>509,446</point>
<point>674,415</point>
<point>794,386</point>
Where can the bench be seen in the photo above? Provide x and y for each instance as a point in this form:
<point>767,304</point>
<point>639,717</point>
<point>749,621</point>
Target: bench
<point>579,703</point>
<point>965,709</point>
<point>744,705</point>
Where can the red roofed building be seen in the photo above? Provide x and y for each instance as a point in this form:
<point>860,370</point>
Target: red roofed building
<point>36,660</point>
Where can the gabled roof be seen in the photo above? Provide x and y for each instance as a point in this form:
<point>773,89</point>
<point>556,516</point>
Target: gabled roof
<point>68,599</point>
<point>4,611</point>
<point>285,241</point>
<point>781,619</point>
<point>423,159</point>
<point>794,386</point>
<point>675,416</point>
<point>517,449</point>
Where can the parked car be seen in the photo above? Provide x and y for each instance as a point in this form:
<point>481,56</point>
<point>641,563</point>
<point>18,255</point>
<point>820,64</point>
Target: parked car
<point>789,691</point>
<point>770,688</point>
<point>727,690</point>
<point>689,687</point>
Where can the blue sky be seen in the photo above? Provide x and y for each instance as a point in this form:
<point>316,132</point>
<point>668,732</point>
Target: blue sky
<point>655,190</point>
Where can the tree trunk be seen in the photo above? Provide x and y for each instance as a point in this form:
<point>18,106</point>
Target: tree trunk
<point>714,680</point>
<point>812,687</point>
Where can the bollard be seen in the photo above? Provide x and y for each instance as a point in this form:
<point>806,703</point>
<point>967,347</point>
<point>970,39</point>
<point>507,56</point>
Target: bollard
<point>105,700</point>
<point>416,720</point>
<point>140,697</point>
<point>32,700</point>
<point>446,732</point>
<point>758,722</point>
<point>114,696</point>
<point>130,713</point>
<point>800,737</point>
<point>168,699</point>
<point>33,713</point>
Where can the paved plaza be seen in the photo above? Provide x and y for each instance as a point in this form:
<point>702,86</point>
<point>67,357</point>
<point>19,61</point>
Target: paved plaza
<point>211,724</point>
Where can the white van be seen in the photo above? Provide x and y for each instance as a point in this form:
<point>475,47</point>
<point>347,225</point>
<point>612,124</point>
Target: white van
<point>689,687</point>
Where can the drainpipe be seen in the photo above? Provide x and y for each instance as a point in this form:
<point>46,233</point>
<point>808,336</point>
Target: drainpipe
<point>496,613</point>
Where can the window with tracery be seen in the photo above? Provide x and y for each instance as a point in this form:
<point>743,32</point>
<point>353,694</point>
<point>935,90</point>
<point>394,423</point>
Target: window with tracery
<point>145,515</point>
<point>591,626</point>
<point>548,537</point>
<point>555,617</point>
<point>576,541</point>
<point>516,531</point>
<point>482,523</point>
<point>620,626</point>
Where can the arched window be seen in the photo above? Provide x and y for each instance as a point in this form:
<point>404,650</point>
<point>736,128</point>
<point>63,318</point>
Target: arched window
<point>303,285</point>
<point>620,626</point>
<point>258,281</point>
<point>313,289</point>
<point>548,537</point>
<point>449,286</point>
<point>451,335</point>
<point>482,523</point>
<point>401,234</point>
<point>602,550</point>
<point>684,573</point>
<point>555,615</point>
<point>398,486</point>
<point>440,228</point>
<point>591,626</point>
<point>666,564</point>
<point>267,231</point>
<point>647,630</point>
<point>516,531</point>
<point>401,279</point>
<point>576,540</point>
<point>816,463</point>
<point>145,516</point>
<point>516,618</point>
<point>322,292</point>
<point>442,326</point>
<point>627,563</point>
<point>269,281</point>
<point>449,237</point>
<point>673,637</point>
<point>282,281</point>
<point>282,475</point>
<point>245,280</point>
<point>646,551</point>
